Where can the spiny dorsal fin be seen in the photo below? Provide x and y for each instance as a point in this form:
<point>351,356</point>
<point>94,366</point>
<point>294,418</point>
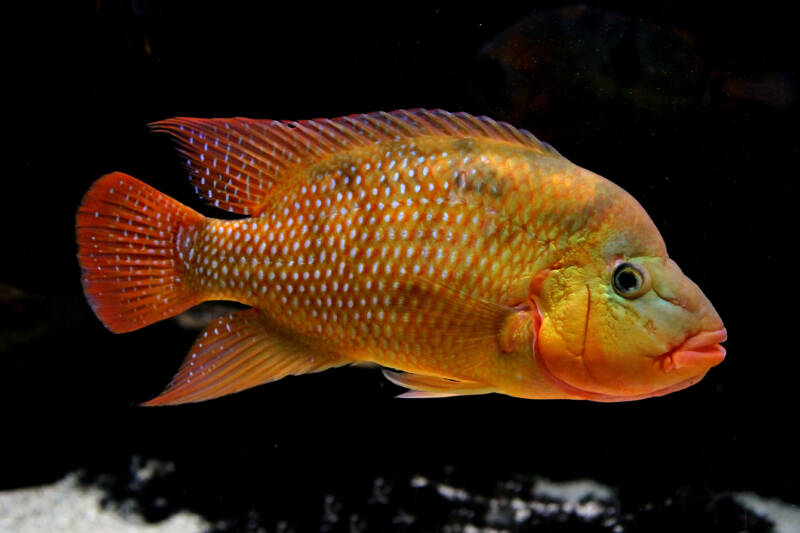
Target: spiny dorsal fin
<point>421,386</point>
<point>234,162</point>
<point>239,351</point>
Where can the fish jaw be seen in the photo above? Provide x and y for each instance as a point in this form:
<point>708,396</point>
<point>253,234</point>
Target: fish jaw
<point>698,352</point>
<point>577,393</point>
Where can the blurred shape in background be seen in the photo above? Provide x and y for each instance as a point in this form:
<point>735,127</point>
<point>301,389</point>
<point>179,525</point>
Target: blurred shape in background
<point>596,69</point>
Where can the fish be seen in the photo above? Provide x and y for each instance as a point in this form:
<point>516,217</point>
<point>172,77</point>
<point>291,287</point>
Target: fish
<point>462,255</point>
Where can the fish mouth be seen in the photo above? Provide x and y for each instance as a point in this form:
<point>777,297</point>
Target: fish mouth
<point>702,350</point>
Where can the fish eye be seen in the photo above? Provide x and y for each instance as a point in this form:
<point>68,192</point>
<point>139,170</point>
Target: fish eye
<point>631,280</point>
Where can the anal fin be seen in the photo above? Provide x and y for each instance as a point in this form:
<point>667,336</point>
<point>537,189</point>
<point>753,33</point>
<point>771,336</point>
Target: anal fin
<point>422,386</point>
<point>239,351</point>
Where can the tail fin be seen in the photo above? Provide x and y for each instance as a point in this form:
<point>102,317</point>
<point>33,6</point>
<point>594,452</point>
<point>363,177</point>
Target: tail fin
<point>131,242</point>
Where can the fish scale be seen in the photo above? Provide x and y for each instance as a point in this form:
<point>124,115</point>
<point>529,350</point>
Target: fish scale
<point>338,249</point>
<point>447,246</point>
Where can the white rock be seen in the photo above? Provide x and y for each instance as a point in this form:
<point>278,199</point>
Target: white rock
<point>67,507</point>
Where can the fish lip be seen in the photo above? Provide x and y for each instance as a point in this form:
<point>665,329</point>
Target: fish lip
<point>705,338</point>
<point>700,349</point>
<point>693,344</point>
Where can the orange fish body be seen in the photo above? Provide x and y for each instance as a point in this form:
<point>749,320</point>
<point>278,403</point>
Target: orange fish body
<point>462,251</point>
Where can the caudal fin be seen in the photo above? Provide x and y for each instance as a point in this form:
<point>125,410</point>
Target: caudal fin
<point>134,249</point>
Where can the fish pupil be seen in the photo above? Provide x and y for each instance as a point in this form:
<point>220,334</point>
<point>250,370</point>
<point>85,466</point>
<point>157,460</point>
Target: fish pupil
<point>627,281</point>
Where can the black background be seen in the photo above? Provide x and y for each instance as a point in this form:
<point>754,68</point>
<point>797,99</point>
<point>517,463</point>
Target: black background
<point>718,178</point>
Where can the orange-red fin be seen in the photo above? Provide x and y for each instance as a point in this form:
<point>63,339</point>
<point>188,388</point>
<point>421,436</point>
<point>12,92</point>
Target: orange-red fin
<point>130,239</point>
<point>234,163</point>
<point>421,386</point>
<point>239,351</point>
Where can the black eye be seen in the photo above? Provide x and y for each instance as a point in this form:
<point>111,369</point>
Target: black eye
<point>631,280</point>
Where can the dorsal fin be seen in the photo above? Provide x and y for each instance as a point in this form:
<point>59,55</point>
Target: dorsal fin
<point>235,162</point>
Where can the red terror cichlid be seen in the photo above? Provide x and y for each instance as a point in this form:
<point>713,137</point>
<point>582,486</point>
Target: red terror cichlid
<point>461,251</point>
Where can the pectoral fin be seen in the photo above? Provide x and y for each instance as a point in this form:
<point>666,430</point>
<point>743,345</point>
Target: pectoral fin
<point>460,335</point>
<point>239,351</point>
<point>422,386</point>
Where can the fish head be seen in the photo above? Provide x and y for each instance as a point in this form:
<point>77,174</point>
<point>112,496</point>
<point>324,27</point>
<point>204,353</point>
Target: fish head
<point>620,321</point>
